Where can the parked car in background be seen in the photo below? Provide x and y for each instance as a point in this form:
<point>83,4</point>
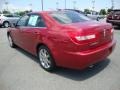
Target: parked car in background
<point>63,38</point>
<point>114,17</point>
<point>81,12</point>
<point>95,15</point>
<point>6,20</point>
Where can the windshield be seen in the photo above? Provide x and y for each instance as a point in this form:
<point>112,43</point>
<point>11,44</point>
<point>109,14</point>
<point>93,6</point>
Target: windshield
<point>67,17</point>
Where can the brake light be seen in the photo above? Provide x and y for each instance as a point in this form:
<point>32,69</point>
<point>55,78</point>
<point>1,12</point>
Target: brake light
<point>81,38</point>
<point>112,30</point>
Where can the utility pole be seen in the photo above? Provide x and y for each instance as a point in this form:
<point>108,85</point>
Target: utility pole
<point>65,4</point>
<point>112,2</point>
<point>74,4</point>
<point>57,5</point>
<point>42,5</point>
<point>93,5</point>
<point>6,4</point>
<point>1,5</point>
<point>30,5</point>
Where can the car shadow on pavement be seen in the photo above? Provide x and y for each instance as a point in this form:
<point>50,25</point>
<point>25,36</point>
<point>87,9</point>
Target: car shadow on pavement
<point>77,75</point>
<point>32,57</point>
<point>80,75</point>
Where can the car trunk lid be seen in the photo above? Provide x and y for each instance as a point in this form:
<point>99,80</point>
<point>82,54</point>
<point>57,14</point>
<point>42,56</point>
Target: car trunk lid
<point>102,31</point>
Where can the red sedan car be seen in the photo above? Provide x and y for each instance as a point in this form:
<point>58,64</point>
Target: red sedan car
<point>63,38</point>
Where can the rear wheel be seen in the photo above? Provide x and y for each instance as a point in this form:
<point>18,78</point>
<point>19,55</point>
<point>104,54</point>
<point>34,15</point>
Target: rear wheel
<point>11,41</point>
<point>46,59</point>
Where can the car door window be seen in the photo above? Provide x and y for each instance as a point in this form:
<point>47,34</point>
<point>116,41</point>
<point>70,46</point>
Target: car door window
<point>23,21</point>
<point>36,21</point>
<point>9,16</point>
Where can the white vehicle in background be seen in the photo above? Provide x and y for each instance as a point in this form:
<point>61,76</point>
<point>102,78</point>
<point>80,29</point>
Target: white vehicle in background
<point>7,20</point>
<point>95,16</point>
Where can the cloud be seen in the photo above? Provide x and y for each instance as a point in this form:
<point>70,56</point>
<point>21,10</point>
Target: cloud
<point>13,8</point>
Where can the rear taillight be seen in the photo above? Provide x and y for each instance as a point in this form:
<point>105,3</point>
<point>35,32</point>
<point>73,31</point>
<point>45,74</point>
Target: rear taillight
<point>109,17</point>
<point>112,30</point>
<point>81,38</point>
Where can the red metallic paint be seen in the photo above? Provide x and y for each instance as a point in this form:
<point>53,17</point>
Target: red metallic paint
<point>66,52</point>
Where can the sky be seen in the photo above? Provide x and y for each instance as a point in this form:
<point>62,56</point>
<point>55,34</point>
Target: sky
<point>51,4</point>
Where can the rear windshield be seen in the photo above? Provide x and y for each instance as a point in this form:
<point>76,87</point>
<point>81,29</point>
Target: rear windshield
<point>115,12</point>
<point>67,17</point>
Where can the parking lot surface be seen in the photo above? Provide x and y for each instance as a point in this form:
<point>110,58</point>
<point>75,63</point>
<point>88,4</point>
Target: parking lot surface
<point>20,70</point>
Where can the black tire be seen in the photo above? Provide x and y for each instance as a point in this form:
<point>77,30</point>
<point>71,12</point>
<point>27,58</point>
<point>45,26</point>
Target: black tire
<point>11,43</point>
<point>6,24</point>
<point>98,19</point>
<point>49,59</point>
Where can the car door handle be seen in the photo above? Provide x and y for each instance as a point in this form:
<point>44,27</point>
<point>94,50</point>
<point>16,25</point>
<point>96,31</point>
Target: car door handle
<point>36,32</point>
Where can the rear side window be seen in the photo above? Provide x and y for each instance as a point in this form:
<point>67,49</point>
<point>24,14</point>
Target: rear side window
<point>67,17</point>
<point>16,16</point>
<point>8,15</point>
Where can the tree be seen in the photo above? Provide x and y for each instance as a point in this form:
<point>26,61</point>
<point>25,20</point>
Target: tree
<point>87,11</point>
<point>6,12</point>
<point>103,12</point>
<point>109,10</point>
<point>21,13</point>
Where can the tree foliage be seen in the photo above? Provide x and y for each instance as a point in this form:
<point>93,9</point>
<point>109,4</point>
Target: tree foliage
<point>109,10</point>
<point>87,11</point>
<point>6,12</point>
<point>21,13</point>
<point>103,12</point>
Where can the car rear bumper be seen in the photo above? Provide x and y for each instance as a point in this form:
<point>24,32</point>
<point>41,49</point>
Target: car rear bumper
<point>81,60</point>
<point>116,22</point>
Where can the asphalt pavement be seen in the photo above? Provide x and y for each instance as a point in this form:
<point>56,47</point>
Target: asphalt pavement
<point>20,70</point>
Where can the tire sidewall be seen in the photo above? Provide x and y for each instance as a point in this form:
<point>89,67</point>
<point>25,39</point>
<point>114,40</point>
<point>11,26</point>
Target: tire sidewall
<point>11,45</point>
<point>5,25</point>
<point>52,66</point>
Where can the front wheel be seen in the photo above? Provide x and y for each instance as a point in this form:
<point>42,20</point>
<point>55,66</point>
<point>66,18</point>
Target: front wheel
<point>46,59</point>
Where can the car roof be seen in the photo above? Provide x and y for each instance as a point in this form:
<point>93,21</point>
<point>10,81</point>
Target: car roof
<point>47,12</point>
<point>116,10</point>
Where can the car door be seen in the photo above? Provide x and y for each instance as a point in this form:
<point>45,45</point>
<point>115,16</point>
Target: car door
<point>31,32</point>
<point>18,30</point>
